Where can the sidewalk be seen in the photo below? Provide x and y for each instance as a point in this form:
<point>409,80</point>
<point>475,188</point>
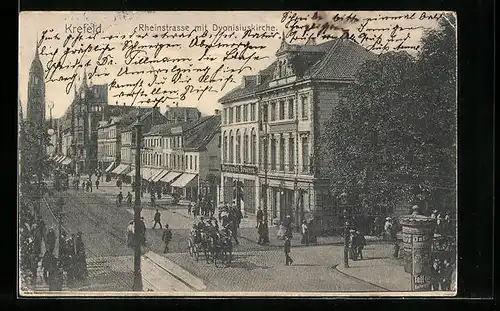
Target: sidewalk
<point>379,268</point>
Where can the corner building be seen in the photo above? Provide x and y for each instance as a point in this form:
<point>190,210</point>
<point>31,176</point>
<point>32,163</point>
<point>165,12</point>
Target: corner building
<point>295,96</point>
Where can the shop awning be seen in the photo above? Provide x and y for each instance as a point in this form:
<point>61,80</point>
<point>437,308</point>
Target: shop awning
<point>56,158</point>
<point>132,172</point>
<point>66,161</point>
<point>146,173</point>
<point>110,167</point>
<point>154,172</point>
<point>182,181</point>
<point>119,169</point>
<point>61,159</point>
<point>159,175</point>
<point>170,176</point>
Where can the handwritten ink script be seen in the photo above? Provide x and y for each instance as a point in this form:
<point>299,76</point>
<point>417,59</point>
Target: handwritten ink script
<point>377,32</point>
<point>153,64</point>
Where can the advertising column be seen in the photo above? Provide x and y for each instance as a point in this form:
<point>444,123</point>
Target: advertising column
<point>418,232</point>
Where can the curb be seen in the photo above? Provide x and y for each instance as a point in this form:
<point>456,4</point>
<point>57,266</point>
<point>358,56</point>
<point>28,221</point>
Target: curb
<point>358,279</point>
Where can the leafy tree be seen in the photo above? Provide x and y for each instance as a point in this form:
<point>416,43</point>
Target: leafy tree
<point>392,140</point>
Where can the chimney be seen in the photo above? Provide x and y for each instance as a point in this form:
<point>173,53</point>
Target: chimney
<point>176,104</point>
<point>217,112</point>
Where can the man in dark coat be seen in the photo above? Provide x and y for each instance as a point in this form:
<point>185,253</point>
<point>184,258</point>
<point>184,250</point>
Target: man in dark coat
<point>157,220</point>
<point>50,240</point>
<point>287,248</point>
<point>260,216</point>
<point>49,263</point>
<point>166,237</point>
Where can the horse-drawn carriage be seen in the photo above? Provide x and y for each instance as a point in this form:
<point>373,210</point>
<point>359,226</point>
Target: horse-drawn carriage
<point>215,246</point>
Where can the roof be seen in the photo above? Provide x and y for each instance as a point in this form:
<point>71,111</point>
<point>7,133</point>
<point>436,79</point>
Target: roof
<point>337,59</point>
<point>200,132</point>
<point>241,92</point>
<point>162,129</point>
<point>129,119</point>
<point>342,61</point>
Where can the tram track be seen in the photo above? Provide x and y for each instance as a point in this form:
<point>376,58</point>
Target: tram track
<point>81,205</point>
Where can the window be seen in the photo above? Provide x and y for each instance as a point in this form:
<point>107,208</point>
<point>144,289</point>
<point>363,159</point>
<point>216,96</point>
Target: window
<point>305,154</point>
<point>291,154</point>
<point>195,162</point>
<point>190,162</point>
<point>253,148</point>
<point>224,112</point>
<point>245,113</point>
<point>264,113</point>
<point>290,109</point>
<point>238,114</point>
<point>230,115</point>
<point>231,148</point>
<point>273,153</point>
<point>238,147</point>
<point>245,149</point>
<point>224,152</point>
<point>212,163</point>
<point>252,112</point>
<point>282,153</point>
<point>273,111</point>
<point>282,110</point>
<point>305,108</point>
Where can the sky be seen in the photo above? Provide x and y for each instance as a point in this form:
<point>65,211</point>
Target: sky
<point>32,24</point>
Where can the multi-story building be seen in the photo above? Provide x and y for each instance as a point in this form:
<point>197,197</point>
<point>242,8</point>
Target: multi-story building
<point>240,142</point>
<point>148,118</point>
<point>176,115</point>
<point>294,106</point>
<point>184,157</point>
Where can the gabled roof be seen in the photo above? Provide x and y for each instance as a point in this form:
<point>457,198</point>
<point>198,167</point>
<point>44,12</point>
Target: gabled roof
<point>162,129</point>
<point>200,132</point>
<point>129,119</point>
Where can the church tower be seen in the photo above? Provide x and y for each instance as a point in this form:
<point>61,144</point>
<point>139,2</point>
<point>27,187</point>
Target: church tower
<point>36,92</point>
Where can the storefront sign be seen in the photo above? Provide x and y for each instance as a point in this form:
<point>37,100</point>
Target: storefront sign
<point>239,169</point>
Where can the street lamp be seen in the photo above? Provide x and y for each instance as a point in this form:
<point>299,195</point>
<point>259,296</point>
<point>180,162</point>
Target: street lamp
<point>137,209</point>
<point>343,200</point>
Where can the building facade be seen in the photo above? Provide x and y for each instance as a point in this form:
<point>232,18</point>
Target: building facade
<point>184,158</point>
<point>148,118</point>
<point>294,105</point>
<point>240,143</point>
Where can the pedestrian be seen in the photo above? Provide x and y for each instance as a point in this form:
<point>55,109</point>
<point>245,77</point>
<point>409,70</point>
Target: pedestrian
<point>56,278</point>
<point>434,214</point>
<point>166,237</point>
<point>388,228</point>
<point>260,216</point>
<point>97,183</point>
<point>34,259</point>
<point>435,275</point>
<point>80,258</point>
<point>446,275</point>
<point>50,240</point>
<point>361,242</point>
<point>260,231</point>
<point>119,199</point>
<point>49,263</point>
<point>152,198</point>
<point>130,234</point>
<point>312,231</point>
<point>305,233</point>
<point>129,199</point>
<point>157,219</point>
<point>287,223</point>
<point>280,235</point>
<point>288,248</point>
<point>189,208</point>
<point>142,231</point>
<point>352,245</point>
<point>90,184</point>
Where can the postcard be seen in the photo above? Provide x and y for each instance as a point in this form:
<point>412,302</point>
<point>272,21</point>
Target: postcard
<point>237,153</point>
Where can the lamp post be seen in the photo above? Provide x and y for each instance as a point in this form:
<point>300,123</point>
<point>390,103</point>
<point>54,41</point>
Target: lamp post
<point>137,209</point>
<point>343,200</point>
